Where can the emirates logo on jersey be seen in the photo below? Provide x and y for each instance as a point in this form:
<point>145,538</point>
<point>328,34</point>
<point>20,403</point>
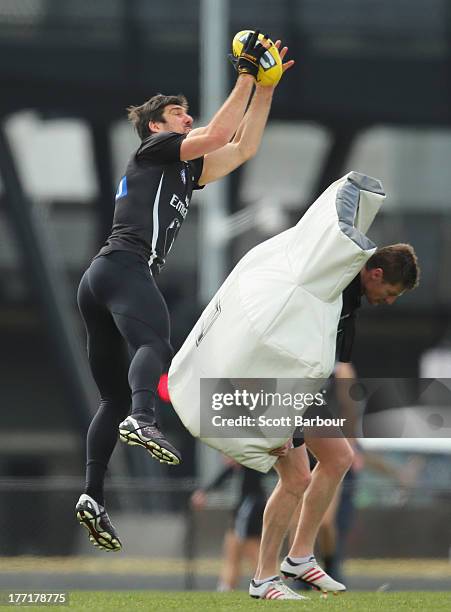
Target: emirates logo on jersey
<point>183,176</point>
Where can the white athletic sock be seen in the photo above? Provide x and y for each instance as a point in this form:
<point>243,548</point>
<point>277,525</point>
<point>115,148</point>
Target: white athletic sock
<point>263,580</point>
<point>298,560</point>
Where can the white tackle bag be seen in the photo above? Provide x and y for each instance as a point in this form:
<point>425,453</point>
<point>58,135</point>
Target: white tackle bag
<point>276,315</point>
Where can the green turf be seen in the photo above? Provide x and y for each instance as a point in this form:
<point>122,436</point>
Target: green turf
<point>156,601</point>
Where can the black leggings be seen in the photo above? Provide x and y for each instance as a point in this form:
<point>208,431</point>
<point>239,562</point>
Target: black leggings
<point>127,324</point>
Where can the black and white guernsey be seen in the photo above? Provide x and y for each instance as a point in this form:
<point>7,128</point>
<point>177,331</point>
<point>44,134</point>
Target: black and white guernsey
<point>153,198</point>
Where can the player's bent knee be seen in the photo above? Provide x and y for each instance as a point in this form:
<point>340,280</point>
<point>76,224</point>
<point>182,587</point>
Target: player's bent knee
<point>341,463</point>
<point>346,459</point>
<point>296,481</point>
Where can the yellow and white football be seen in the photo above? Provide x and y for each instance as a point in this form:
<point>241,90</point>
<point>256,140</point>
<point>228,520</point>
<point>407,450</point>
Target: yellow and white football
<point>270,69</point>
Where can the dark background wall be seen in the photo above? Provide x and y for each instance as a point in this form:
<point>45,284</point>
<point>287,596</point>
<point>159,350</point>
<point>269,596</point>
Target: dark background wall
<point>382,68</point>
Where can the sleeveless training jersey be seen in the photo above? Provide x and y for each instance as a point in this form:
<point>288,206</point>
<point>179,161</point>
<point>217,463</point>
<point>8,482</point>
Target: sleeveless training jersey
<point>153,198</point>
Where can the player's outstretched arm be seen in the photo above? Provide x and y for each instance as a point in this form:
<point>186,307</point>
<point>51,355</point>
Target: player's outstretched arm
<point>250,131</point>
<point>247,139</point>
<point>225,123</point>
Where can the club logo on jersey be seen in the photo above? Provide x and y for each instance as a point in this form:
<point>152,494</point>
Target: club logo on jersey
<point>183,175</point>
<point>122,189</point>
<point>180,206</point>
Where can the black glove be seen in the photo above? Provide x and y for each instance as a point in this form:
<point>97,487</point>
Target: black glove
<point>249,60</point>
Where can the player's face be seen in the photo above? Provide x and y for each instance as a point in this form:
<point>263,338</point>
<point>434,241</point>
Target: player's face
<point>176,119</point>
<point>377,291</point>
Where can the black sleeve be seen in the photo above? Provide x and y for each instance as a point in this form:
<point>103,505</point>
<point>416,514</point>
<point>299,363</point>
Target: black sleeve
<point>347,340</point>
<point>163,147</point>
<point>220,478</point>
<point>351,302</point>
<point>197,165</point>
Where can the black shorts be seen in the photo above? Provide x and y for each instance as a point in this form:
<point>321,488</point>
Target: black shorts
<point>118,296</point>
<point>298,437</point>
<point>248,517</point>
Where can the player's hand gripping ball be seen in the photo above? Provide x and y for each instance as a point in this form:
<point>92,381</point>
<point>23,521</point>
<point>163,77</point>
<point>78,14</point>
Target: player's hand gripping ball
<point>270,69</point>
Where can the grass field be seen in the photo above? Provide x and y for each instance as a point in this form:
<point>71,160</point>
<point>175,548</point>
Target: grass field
<point>221,602</point>
<point>103,564</point>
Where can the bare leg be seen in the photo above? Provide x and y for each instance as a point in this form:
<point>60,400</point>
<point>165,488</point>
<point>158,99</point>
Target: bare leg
<point>327,536</point>
<point>294,477</point>
<point>294,523</point>
<point>251,548</point>
<point>334,459</point>
<point>231,569</point>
